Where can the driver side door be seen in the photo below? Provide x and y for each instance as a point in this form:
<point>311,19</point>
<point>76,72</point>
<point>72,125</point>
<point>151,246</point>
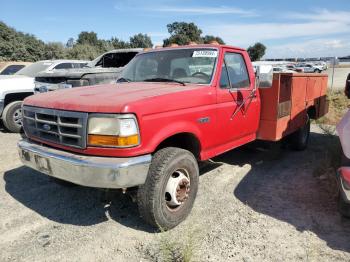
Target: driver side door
<point>238,105</point>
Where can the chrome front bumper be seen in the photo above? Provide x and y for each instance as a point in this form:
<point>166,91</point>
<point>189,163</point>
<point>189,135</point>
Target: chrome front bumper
<point>102,172</point>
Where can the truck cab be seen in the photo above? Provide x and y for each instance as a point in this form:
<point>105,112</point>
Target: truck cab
<point>170,109</point>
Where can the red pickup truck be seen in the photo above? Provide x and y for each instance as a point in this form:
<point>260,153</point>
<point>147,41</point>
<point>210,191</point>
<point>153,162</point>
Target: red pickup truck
<point>171,108</point>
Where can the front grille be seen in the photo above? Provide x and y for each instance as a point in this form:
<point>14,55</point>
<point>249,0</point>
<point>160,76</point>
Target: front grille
<point>51,80</point>
<point>57,126</point>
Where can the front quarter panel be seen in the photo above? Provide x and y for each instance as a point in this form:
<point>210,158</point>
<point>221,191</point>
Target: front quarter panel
<point>199,121</point>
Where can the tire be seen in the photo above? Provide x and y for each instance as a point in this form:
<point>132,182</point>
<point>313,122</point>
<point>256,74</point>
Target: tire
<point>344,161</point>
<point>12,116</point>
<point>155,203</point>
<point>299,139</point>
<point>343,207</point>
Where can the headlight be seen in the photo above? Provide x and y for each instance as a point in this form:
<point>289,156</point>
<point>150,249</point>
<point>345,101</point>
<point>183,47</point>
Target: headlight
<point>113,130</point>
<point>78,82</point>
<point>64,85</point>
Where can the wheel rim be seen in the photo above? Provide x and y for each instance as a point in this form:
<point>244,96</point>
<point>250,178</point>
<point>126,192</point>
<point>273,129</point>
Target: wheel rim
<point>177,189</point>
<point>17,117</point>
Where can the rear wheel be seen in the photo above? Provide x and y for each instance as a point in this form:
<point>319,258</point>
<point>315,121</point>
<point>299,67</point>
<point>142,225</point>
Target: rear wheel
<point>300,138</point>
<point>168,194</point>
<point>12,116</point>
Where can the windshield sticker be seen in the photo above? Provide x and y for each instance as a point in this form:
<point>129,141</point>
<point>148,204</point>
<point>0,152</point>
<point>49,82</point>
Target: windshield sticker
<point>205,53</point>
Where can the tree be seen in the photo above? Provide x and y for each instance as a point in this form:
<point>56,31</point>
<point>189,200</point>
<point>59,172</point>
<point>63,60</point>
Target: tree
<point>104,46</point>
<point>141,41</point>
<point>257,51</point>
<point>70,42</point>
<point>83,51</point>
<point>119,44</point>
<point>182,33</point>
<point>54,50</point>
<point>17,46</point>
<point>88,38</point>
<point>210,38</point>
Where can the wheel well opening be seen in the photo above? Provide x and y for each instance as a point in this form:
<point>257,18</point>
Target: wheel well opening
<point>311,111</point>
<point>185,141</point>
<point>9,98</point>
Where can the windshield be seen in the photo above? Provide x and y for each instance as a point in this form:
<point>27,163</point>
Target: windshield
<point>33,69</point>
<point>194,65</point>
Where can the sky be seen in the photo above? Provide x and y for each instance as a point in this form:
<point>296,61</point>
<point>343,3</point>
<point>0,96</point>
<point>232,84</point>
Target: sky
<point>298,28</point>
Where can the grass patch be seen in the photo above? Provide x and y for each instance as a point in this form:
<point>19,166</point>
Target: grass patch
<point>174,247</point>
<point>330,159</point>
<point>338,106</point>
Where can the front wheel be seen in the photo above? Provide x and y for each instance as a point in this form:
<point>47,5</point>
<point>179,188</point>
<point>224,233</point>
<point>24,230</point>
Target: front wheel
<point>168,194</point>
<point>12,116</point>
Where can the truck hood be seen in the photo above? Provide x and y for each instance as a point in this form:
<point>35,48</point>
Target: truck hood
<point>115,98</point>
<point>16,83</point>
<point>78,73</point>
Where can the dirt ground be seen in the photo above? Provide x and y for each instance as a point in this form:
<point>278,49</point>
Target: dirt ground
<point>339,79</point>
<point>256,203</point>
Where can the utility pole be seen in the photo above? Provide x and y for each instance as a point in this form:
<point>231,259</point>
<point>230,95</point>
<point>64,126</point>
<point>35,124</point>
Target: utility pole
<point>333,75</point>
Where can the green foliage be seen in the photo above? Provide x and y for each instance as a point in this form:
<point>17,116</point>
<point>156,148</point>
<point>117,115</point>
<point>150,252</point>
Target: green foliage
<point>257,51</point>
<point>141,41</point>
<point>119,44</point>
<point>182,33</point>
<point>88,38</point>
<point>54,50</point>
<point>70,42</point>
<point>18,46</point>
<point>83,51</point>
<point>172,247</point>
<point>210,38</point>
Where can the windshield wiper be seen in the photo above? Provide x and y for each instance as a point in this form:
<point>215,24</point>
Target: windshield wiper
<point>123,80</point>
<point>159,79</point>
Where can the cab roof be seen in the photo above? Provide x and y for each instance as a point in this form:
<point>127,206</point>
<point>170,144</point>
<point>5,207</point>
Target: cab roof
<point>195,46</point>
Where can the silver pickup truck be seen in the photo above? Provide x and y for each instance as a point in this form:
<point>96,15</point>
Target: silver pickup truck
<point>102,70</point>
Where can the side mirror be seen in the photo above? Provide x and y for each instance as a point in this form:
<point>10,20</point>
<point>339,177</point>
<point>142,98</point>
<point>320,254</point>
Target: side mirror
<point>264,75</point>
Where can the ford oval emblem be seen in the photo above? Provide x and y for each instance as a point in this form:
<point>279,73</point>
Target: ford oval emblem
<point>47,127</point>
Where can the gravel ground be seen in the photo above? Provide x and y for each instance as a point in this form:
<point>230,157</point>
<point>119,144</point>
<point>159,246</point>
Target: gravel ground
<point>339,79</point>
<point>256,203</point>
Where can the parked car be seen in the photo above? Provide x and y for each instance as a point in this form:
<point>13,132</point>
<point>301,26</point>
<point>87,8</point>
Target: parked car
<point>347,86</point>
<point>171,108</point>
<point>309,68</point>
<point>343,173</point>
<point>10,68</point>
<point>322,64</point>
<point>292,67</point>
<point>283,69</point>
<point>104,69</point>
<point>14,88</point>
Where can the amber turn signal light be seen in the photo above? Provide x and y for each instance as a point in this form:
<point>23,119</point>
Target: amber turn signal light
<point>114,141</point>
